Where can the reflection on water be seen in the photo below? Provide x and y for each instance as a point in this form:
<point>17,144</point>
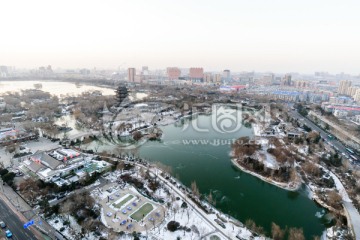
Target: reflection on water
<point>293,195</point>
<point>69,121</point>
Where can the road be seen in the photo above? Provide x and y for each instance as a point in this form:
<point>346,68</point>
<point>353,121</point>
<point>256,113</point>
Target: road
<point>14,224</point>
<point>354,214</point>
<point>337,145</point>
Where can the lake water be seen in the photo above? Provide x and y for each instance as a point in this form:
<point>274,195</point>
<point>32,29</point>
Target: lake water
<point>55,88</point>
<point>238,194</point>
<point>207,161</point>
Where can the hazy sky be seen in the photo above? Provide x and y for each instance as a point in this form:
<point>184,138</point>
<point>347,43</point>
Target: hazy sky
<point>241,35</point>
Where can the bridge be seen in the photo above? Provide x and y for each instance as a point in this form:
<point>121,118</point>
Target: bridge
<point>81,136</point>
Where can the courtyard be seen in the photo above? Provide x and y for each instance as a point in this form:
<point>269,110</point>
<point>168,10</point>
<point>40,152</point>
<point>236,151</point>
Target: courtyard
<point>125,209</point>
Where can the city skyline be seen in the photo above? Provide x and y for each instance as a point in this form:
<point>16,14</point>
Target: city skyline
<point>279,36</point>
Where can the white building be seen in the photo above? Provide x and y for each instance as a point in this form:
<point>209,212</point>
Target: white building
<point>357,118</point>
<point>340,113</point>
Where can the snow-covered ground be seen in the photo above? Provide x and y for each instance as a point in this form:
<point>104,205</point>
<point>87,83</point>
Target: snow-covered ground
<point>257,130</point>
<point>196,224</point>
<point>70,231</point>
<point>340,187</point>
<point>266,158</point>
<point>352,211</point>
<point>186,217</point>
<point>303,149</point>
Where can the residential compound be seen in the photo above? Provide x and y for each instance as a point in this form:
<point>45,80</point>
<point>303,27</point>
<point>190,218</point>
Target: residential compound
<point>173,73</point>
<point>346,88</point>
<point>303,96</point>
<point>341,110</point>
<point>196,74</point>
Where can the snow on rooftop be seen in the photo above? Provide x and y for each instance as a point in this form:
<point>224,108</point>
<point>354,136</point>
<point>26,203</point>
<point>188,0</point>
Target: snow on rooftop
<point>46,173</point>
<point>69,152</point>
<point>139,105</point>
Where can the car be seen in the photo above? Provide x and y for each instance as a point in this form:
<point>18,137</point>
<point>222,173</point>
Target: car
<point>8,233</point>
<point>220,223</point>
<point>61,195</point>
<point>2,224</point>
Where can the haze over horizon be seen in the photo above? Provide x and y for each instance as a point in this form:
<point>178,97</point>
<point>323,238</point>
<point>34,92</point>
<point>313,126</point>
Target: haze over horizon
<point>260,35</point>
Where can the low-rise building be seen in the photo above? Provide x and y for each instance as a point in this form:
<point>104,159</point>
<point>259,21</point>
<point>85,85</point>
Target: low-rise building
<point>340,113</point>
<point>294,133</point>
<point>57,164</point>
<point>14,134</point>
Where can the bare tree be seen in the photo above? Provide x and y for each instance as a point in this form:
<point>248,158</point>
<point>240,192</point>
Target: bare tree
<point>175,209</point>
<point>296,234</point>
<point>188,211</point>
<point>293,175</point>
<point>311,168</point>
<point>86,142</point>
<point>29,189</point>
<point>211,199</point>
<point>334,199</point>
<point>276,232</point>
<point>195,189</point>
<point>66,208</point>
<point>11,147</point>
<point>5,118</point>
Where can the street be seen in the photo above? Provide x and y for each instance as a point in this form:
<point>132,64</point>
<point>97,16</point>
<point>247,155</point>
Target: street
<point>337,145</point>
<point>14,224</point>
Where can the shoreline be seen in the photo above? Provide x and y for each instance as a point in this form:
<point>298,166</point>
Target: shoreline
<point>270,181</point>
<point>313,197</point>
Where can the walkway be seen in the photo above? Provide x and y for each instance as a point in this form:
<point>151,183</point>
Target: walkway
<point>209,218</point>
<point>353,212</point>
<point>205,216</point>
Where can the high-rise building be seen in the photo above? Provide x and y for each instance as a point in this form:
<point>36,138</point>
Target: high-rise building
<point>173,73</point>
<point>131,74</point>
<point>226,74</point>
<point>144,71</point>
<point>344,86</point>
<point>286,81</point>
<point>84,71</point>
<point>196,73</point>
<point>217,78</point>
<point>301,84</point>
<point>3,71</point>
<point>357,95</point>
<point>267,79</point>
<point>208,77</point>
<point>351,91</point>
